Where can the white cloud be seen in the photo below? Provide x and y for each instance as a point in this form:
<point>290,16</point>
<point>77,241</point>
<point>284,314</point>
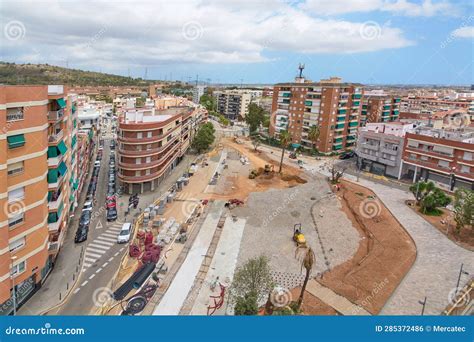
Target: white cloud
<point>463,32</point>
<point>427,8</point>
<point>140,33</point>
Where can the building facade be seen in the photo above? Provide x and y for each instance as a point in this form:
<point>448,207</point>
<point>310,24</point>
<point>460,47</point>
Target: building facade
<point>332,105</point>
<point>380,108</point>
<point>151,143</point>
<point>233,104</point>
<point>445,157</point>
<point>198,91</point>
<point>24,233</point>
<point>380,147</point>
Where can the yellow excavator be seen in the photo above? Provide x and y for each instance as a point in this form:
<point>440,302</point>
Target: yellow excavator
<point>298,236</point>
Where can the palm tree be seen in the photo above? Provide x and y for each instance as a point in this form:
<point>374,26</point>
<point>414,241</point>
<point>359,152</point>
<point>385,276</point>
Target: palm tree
<point>313,135</point>
<point>285,139</point>
<point>307,262</point>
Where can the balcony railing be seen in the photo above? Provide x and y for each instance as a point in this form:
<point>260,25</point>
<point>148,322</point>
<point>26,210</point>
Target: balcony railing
<point>142,166</point>
<point>55,115</point>
<point>56,138</point>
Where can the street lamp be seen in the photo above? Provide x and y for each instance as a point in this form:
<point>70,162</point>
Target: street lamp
<point>461,272</point>
<point>13,258</point>
<point>424,304</point>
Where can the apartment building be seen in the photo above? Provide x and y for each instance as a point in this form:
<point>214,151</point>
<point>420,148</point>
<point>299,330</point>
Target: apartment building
<point>380,108</point>
<point>380,147</point>
<point>332,105</point>
<point>428,104</point>
<point>152,142</point>
<point>24,235</point>
<point>445,157</point>
<point>233,104</point>
<point>198,91</point>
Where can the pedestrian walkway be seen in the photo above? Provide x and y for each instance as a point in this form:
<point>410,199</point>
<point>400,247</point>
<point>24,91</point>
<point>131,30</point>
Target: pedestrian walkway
<point>99,246</point>
<point>337,302</point>
<point>176,294</point>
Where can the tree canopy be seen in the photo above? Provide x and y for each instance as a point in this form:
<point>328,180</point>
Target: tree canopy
<point>204,137</point>
<point>429,197</point>
<point>255,117</point>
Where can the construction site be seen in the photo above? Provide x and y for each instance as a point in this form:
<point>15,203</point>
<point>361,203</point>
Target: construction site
<point>233,205</point>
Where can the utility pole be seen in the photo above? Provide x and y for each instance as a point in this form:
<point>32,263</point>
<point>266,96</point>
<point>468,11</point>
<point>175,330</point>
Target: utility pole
<point>461,272</point>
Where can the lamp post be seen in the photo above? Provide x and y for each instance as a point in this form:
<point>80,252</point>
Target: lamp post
<point>423,307</point>
<point>461,272</point>
<point>13,258</point>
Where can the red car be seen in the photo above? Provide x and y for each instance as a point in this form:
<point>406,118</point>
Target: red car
<point>111,204</point>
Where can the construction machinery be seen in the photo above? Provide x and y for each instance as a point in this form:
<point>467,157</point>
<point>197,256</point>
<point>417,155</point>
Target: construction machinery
<point>268,168</point>
<point>298,236</point>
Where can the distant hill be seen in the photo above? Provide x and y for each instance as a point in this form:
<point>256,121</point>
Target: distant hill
<point>11,73</point>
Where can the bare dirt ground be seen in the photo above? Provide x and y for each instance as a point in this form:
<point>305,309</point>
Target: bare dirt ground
<point>385,254</point>
<point>446,225</point>
<point>236,182</point>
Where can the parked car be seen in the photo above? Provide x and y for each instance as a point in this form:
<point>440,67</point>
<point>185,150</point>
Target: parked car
<point>85,218</point>
<point>347,155</point>
<point>97,163</point>
<point>125,233</point>
<point>111,214</point>
<point>87,206</point>
<point>111,204</point>
<point>81,234</point>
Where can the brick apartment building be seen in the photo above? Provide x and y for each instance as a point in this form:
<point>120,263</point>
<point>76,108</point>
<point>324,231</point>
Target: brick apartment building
<point>331,104</point>
<point>446,157</point>
<point>151,143</point>
<point>380,108</point>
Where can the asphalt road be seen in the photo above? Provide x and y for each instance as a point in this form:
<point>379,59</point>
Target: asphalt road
<point>102,253</point>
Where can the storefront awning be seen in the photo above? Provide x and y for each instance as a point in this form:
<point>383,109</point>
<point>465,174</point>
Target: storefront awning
<point>61,103</point>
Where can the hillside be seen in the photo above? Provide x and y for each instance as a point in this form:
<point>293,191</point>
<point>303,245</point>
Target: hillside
<point>11,73</point>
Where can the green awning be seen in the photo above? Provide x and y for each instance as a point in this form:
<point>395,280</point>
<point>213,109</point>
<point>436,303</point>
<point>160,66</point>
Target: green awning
<point>71,180</point>
<point>91,134</point>
<point>52,217</point>
<point>52,176</point>
<point>60,209</point>
<point>62,147</point>
<point>52,152</point>
<point>71,198</point>
<point>16,140</point>
<point>50,195</point>
<point>73,108</point>
<point>73,141</point>
<point>76,184</point>
<point>62,169</point>
<point>61,103</point>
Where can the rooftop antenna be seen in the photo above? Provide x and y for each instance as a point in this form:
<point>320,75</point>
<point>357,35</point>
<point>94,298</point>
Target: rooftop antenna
<point>301,68</point>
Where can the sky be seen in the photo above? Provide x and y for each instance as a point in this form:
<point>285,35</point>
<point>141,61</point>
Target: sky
<point>247,41</point>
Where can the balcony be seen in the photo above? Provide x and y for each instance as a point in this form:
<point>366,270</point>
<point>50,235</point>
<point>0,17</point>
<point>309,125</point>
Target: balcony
<point>389,151</point>
<point>374,147</point>
<point>386,161</point>
<point>55,115</point>
<point>145,178</point>
<point>54,205</point>
<point>365,155</point>
<point>54,161</point>
<point>151,164</point>
<point>145,140</point>
<point>54,139</point>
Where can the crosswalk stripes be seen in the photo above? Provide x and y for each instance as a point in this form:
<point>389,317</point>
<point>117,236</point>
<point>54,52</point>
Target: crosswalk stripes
<point>99,246</point>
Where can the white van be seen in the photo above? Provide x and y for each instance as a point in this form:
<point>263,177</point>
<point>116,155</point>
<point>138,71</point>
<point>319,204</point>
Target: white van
<point>125,233</point>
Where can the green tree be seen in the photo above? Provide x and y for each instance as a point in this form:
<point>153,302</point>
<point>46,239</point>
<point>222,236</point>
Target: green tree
<point>285,139</point>
<point>313,135</point>
<point>204,137</point>
<point>463,209</point>
<point>209,102</point>
<point>429,197</point>
<point>251,285</point>
<point>256,142</point>
<point>255,117</point>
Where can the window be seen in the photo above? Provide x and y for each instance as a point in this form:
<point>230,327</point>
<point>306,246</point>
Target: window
<point>412,143</point>
<point>16,220</point>
<point>17,244</point>
<point>137,173</point>
<point>148,159</point>
<point>443,164</point>
<point>138,161</point>
<point>16,195</point>
<point>465,169</point>
<point>468,155</point>
<point>139,135</point>
<point>15,168</point>
<point>14,114</point>
<point>149,134</point>
<point>18,268</point>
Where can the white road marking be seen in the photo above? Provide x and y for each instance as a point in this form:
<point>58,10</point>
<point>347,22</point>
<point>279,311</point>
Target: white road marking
<point>116,254</point>
<point>106,243</point>
<point>84,283</point>
<point>106,248</point>
<point>107,239</point>
<point>100,269</point>
<point>92,276</point>
<point>121,249</point>
<point>110,259</point>
<point>90,259</point>
<point>93,253</point>
<point>105,264</point>
<point>76,290</point>
<point>86,265</point>
<point>109,235</point>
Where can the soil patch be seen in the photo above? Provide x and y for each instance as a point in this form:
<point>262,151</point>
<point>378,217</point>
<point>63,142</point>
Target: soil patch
<point>386,251</point>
